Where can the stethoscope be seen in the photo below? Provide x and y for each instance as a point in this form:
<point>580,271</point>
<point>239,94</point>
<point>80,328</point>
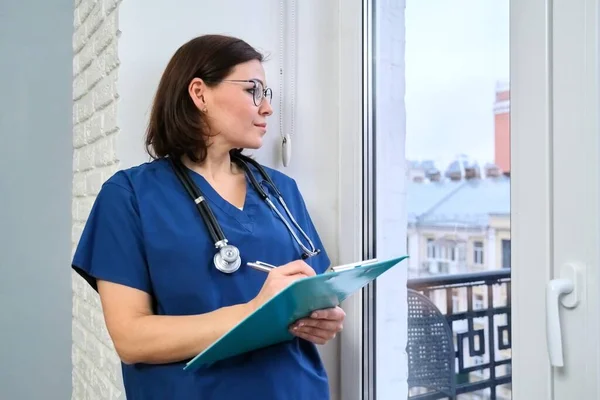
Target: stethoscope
<point>228,259</point>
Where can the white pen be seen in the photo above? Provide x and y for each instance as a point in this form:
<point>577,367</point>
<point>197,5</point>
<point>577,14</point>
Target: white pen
<point>346,267</point>
<point>261,266</point>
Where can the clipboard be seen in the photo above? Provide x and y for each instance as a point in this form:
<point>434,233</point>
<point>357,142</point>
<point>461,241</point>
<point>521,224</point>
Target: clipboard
<point>269,324</point>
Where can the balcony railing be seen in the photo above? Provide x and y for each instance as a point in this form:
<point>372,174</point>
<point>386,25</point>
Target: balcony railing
<point>476,306</point>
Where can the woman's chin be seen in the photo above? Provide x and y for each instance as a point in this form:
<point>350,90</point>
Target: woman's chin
<point>253,144</point>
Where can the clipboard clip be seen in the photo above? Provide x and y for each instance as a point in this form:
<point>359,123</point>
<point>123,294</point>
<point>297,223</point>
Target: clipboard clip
<point>347,267</point>
<point>266,267</point>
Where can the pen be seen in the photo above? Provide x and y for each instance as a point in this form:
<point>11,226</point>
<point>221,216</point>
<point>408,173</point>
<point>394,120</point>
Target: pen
<point>261,266</point>
<point>346,267</point>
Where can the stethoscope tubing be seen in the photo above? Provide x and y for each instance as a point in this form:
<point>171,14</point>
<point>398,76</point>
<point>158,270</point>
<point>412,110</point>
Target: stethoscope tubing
<point>215,231</point>
<point>265,197</point>
<point>209,218</point>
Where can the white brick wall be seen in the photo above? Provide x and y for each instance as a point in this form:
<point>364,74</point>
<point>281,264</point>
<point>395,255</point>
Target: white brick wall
<point>96,367</point>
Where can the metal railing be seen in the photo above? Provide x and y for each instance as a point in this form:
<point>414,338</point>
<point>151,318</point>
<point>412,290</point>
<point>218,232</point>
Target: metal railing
<point>477,308</point>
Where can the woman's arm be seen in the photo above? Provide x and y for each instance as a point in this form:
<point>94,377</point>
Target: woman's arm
<point>141,337</point>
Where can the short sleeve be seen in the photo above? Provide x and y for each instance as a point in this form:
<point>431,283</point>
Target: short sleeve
<point>111,247</point>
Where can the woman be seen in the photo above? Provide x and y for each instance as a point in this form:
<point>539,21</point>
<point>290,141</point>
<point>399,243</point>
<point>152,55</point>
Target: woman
<point>150,255</point>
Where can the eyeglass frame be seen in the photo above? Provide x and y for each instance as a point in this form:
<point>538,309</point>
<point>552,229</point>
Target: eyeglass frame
<point>266,92</point>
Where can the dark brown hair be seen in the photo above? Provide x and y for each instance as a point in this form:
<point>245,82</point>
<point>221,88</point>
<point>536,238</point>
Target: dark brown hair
<point>176,126</point>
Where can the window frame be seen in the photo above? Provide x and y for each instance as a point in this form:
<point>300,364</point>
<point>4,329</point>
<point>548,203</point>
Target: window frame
<point>351,224</point>
<point>362,218</point>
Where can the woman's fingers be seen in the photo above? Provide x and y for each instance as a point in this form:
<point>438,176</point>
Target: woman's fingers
<point>312,338</point>
<point>334,313</point>
<point>294,268</point>
<point>313,325</point>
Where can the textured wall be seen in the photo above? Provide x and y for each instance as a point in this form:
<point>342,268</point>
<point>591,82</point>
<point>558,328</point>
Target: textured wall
<point>96,367</point>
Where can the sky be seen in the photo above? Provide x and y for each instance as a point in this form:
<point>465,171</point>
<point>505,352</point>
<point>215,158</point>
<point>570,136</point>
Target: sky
<point>456,52</point>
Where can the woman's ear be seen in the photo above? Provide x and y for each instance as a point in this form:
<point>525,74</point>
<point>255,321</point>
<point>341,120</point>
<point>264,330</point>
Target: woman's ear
<point>196,90</point>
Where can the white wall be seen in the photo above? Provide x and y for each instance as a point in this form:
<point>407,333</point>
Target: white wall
<point>127,49</point>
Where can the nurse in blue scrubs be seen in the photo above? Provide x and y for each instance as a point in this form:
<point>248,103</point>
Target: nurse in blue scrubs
<point>149,251</point>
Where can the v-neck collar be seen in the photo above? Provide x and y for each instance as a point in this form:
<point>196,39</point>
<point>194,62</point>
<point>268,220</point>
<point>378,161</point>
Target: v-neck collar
<point>244,217</point>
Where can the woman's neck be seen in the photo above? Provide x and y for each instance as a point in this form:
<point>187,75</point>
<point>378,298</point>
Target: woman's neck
<point>216,165</point>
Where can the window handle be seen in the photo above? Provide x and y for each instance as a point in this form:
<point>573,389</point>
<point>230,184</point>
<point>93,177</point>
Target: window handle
<point>566,291</point>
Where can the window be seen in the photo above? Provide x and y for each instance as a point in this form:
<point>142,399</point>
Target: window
<point>438,93</point>
<point>457,149</point>
<point>431,248</point>
<point>506,253</point>
<point>478,253</point>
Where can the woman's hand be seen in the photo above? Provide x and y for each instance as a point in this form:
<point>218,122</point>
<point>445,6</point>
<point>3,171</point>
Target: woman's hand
<point>321,326</point>
<point>279,278</point>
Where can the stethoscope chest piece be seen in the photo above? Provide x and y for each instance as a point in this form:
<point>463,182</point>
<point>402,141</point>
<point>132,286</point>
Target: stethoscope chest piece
<point>227,259</point>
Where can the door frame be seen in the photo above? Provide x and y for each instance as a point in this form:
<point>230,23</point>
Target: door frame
<point>555,191</point>
<point>530,215</point>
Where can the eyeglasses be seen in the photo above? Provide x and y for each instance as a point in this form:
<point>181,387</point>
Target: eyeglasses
<point>259,93</point>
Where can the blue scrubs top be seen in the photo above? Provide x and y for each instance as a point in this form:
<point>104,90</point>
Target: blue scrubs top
<point>145,232</point>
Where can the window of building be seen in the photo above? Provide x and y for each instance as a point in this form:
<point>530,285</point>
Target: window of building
<point>505,253</point>
<point>431,248</point>
<point>478,252</point>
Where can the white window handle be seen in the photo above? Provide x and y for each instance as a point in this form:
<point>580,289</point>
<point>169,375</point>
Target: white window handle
<point>569,287</point>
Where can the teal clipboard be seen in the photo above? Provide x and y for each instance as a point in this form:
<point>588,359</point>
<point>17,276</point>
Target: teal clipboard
<point>269,324</point>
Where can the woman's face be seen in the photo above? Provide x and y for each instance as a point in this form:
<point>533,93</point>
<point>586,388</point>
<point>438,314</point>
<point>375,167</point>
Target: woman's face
<point>236,109</point>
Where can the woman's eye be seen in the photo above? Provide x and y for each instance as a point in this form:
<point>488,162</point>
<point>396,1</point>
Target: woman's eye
<point>251,91</point>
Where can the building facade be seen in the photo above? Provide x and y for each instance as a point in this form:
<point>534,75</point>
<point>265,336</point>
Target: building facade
<point>462,226</point>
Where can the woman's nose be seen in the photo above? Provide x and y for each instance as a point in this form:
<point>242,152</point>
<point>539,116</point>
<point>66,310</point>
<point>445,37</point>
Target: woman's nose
<point>265,108</point>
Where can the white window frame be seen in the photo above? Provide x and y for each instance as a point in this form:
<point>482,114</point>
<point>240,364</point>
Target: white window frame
<point>356,227</point>
<point>351,191</point>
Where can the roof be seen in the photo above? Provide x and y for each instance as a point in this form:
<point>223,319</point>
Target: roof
<point>468,203</point>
